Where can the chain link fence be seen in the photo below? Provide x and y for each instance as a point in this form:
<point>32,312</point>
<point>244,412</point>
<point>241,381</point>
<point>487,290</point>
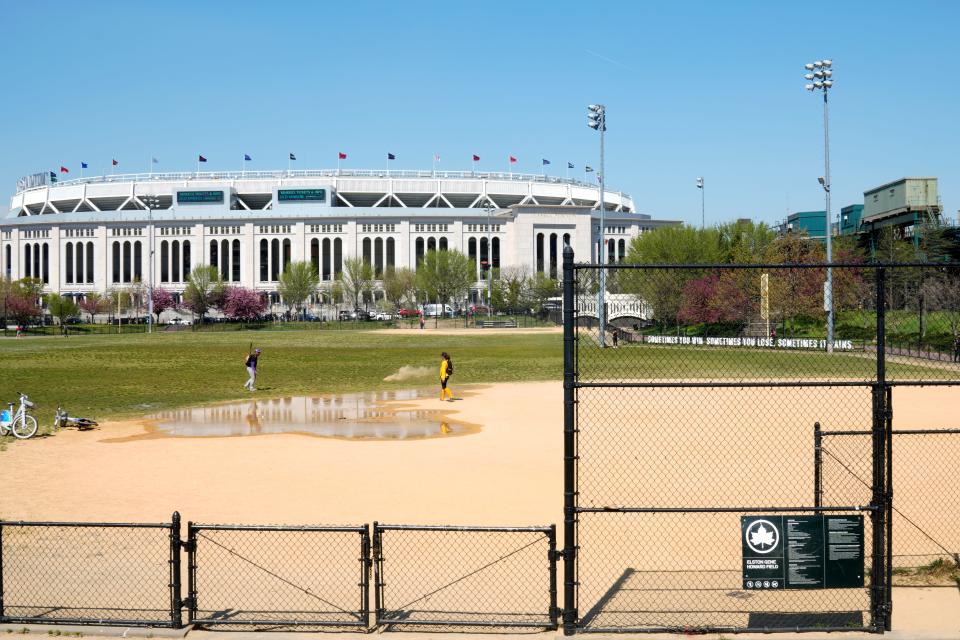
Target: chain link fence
<point>436,577</point>
<point>690,393</point>
<point>90,573</point>
<point>274,577</point>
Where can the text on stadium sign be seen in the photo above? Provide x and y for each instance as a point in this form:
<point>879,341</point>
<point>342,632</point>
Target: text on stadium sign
<point>302,195</point>
<point>205,197</point>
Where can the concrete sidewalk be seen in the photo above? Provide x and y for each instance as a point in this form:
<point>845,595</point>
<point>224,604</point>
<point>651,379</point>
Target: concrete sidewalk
<point>921,613</point>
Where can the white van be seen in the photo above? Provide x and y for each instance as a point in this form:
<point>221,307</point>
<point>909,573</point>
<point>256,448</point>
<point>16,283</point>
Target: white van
<point>437,311</point>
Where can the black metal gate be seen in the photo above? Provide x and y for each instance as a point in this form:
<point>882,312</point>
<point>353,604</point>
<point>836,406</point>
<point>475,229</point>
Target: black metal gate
<point>447,576</point>
<point>685,412</point>
<point>278,576</point>
<point>101,573</point>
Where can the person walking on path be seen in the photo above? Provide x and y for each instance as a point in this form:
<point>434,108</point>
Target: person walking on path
<point>422,322</point>
<point>956,348</point>
<point>446,370</point>
<point>251,364</point>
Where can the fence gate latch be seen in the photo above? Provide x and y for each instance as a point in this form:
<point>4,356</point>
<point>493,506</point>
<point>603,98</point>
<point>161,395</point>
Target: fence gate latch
<point>188,603</point>
<point>188,545</point>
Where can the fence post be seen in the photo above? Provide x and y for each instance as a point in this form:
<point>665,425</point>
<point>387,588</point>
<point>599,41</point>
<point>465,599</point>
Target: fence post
<point>1,568</point>
<point>552,555</point>
<point>191,572</point>
<point>569,450</point>
<point>817,466</point>
<point>888,414</point>
<point>377,573</point>
<point>176,619</point>
<point>879,588</point>
<point>365,564</point>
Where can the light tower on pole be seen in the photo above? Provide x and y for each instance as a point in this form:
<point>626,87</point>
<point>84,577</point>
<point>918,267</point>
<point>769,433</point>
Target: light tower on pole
<point>820,77</point>
<point>597,120</point>
<point>703,208</point>
<point>151,202</point>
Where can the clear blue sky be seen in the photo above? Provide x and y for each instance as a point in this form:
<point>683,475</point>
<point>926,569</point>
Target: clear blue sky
<point>711,88</point>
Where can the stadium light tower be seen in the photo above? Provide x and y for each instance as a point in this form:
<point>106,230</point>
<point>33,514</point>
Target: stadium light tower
<point>703,206</point>
<point>597,120</point>
<point>151,202</point>
<point>819,77</point>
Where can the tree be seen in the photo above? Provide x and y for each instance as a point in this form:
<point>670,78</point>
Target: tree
<point>119,300</point>
<point>94,303</point>
<point>22,307</point>
<point>297,283</point>
<point>162,300</point>
<point>243,304</point>
<point>356,279</point>
<point>510,287</point>
<point>541,288</point>
<point>61,307</point>
<point>399,285</point>
<point>204,289</point>
<point>662,288</point>
<point>796,292</point>
<point>445,276</point>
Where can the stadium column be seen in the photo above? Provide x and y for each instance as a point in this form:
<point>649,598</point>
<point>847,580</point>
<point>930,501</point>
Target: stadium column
<point>249,253</point>
<point>101,259</point>
<point>56,248</point>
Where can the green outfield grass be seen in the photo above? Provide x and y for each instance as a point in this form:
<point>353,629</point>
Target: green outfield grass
<point>132,375</point>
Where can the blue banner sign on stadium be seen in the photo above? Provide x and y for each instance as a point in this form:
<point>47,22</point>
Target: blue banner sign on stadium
<point>199,197</point>
<point>302,195</point>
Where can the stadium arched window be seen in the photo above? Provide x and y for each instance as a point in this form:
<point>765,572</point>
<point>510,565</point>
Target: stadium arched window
<point>539,253</point>
<point>274,260</point>
<point>89,273</point>
<point>186,259</point>
<point>431,244</point>
<point>337,257</point>
<point>175,261</point>
<point>68,263</point>
<point>391,253</point>
<point>127,257</point>
<point>164,261</point>
<point>235,261</point>
<point>484,255</point>
<point>214,253</point>
<point>442,245</point>
<point>79,263</point>
<point>116,262</point>
<point>611,251</point>
<point>137,261</point>
<point>286,254</point>
<point>8,259</point>
<point>553,256</point>
<point>315,255</point>
<point>326,259</point>
<point>496,253</point>
<point>46,263</point>
<point>566,239</point>
<point>366,252</point>
<point>378,257</point>
<point>418,248</point>
<point>472,251</point>
<point>225,260</point>
<point>621,250</point>
<point>264,260</point>
<point>27,260</point>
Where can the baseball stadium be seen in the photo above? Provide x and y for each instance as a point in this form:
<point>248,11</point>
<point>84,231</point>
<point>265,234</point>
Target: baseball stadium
<point>94,233</point>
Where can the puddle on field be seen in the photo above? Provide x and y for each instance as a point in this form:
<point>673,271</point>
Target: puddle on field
<point>352,416</point>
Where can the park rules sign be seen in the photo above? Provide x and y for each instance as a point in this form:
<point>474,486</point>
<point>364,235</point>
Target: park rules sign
<point>802,552</point>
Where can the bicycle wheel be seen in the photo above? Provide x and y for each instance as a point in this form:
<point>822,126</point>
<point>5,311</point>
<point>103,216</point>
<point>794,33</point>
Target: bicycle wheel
<point>24,427</point>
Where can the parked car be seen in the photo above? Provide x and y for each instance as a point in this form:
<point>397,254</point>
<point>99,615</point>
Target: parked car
<point>383,315</point>
<point>408,313</point>
<point>438,311</point>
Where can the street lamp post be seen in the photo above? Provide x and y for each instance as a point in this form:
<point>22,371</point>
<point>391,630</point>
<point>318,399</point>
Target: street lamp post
<point>151,202</point>
<point>703,215</point>
<point>820,77</point>
<point>597,120</point>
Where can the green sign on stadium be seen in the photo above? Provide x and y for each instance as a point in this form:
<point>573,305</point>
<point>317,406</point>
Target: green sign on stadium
<point>199,197</point>
<point>302,195</point>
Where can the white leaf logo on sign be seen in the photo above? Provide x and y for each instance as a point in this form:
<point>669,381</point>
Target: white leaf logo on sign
<point>762,536</point>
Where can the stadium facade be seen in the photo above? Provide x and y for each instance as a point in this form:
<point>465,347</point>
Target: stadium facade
<point>94,234</point>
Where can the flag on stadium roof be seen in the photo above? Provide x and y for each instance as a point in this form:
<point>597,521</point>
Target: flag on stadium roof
<point>476,158</point>
<point>293,157</point>
<point>512,159</point>
<point>588,168</point>
<point>569,165</point>
<point>390,156</point>
<point>115,163</point>
<point>545,162</point>
<point>201,159</point>
<point>154,161</point>
<point>84,165</point>
<point>63,169</point>
<point>341,155</point>
<point>53,176</point>
<point>246,157</point>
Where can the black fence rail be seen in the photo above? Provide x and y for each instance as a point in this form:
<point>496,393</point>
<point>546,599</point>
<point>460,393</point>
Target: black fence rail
<point>484,577</point>
<point>278,576</point>
<point>102,573</point>
<point>925,516</point>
